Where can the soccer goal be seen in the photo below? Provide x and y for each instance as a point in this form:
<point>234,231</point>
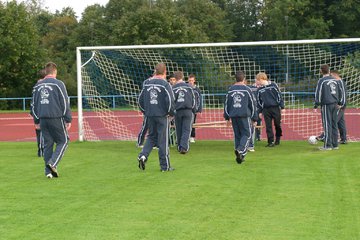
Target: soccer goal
<point>110,79</point>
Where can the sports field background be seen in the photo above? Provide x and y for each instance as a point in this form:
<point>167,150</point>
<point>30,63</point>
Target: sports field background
<point>292,191</point>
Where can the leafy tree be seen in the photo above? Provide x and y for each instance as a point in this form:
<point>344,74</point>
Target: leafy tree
<point>344,14</point>
<point>245,15</point>
<point>93,29</point>
<point>155,26</point>
<point>21,56</point>
<point>60,49</point>
<point>305,19</point>
<point>208,17</point>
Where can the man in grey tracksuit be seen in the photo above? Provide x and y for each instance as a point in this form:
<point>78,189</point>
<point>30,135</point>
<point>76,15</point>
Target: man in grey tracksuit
<point>330,96</point>
<point>156,101</point>
<point>240,108</point>
<point>185,108</point>
<point>50,108</point>
<point>198,101</point>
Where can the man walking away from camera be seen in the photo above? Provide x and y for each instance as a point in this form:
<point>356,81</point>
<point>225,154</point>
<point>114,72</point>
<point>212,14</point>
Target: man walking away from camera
<point>52,114</point>
<point>185,108</point>
<point>156,101</point>
<point>240,108</point>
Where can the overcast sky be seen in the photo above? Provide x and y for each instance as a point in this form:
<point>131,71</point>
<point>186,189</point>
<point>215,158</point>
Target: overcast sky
<point>78,5</point>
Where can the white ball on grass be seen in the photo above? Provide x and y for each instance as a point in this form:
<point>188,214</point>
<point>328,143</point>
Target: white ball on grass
<point>312,140</point>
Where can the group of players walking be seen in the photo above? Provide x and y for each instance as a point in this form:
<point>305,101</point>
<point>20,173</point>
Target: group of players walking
<point>160,101</point>
<point>176,101</point>
<point>244,106</point>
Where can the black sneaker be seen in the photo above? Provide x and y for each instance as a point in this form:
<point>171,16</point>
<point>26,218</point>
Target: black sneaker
<point>142,160</point>
<point>239,157</point>
<point>53,169</point>
<point>343,142</point>
<point>270,145</point>
<point>183,151</point>
<point>167,170</point>
<point>277,142</point>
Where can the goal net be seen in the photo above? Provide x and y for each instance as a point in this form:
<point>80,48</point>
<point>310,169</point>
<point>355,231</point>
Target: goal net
<point>110,79</point>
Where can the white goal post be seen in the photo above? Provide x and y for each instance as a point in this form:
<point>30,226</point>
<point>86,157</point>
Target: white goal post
<point>109,79</point>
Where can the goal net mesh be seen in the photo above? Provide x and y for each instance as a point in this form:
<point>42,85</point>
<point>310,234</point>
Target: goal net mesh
<point>111,79</point>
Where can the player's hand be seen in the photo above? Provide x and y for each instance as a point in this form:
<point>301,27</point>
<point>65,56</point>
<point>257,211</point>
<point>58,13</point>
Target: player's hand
<point>228,123</point>
<point>68,126</point>
<point>37,126</point>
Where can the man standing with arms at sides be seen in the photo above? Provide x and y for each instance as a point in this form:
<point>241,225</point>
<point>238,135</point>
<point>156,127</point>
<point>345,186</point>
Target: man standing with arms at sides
<point>240,108</point>
<point>52,114</point>
<point>156,101</point>
<point>185,107</point>
<point>341,111</point>
<point>329,96</point>
<point>271,105</point>
<point>255,133</point>
<point>198,101</point>
<point>341,115</point>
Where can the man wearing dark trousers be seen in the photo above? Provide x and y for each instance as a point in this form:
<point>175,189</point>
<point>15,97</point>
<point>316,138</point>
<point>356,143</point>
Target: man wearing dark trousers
<point>240,108</point>
<point>198,101</point>
<point>142,133</point>
<point>341,111</point>
<point>330,97</point>
<point>156,101</point>
<point>185,108</point>
<point>51,110</point>
<point>39,137</point>
<point>270,105</point>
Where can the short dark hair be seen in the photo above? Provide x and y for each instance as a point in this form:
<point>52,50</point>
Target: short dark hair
<point>335,72</point>
<point>240,76</point>
<point>325,69</point>
<point>50,68</point>
<point>41,73</point>
<point>178,75</point>
<point>160,68</point>
<point>192,76</point>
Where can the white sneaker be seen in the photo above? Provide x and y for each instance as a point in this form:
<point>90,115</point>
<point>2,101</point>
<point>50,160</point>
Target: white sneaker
<point>49,175</point>
<point>251,149</point>
<point>192,140</point>
<point>325,149</point>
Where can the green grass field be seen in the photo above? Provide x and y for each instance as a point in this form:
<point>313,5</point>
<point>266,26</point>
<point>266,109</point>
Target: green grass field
<point>292,191</point>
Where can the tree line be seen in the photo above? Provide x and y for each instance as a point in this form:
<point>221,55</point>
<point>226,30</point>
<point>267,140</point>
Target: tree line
<point>31,35</point>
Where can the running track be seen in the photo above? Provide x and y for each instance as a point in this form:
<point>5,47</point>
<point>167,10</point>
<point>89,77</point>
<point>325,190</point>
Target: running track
<point>20,127</point>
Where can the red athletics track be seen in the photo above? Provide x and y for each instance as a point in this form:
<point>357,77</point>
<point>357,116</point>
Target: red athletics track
<point>20,127</point>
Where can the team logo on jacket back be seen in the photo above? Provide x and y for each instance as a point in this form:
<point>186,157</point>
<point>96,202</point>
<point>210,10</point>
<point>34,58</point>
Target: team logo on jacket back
<point>153,97</point>
<point>237,97</point>
<point>154,93</point>
<point>44,94</point>
<point>181,97</point>
<point>333,88</point>
<point>180,94</point>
